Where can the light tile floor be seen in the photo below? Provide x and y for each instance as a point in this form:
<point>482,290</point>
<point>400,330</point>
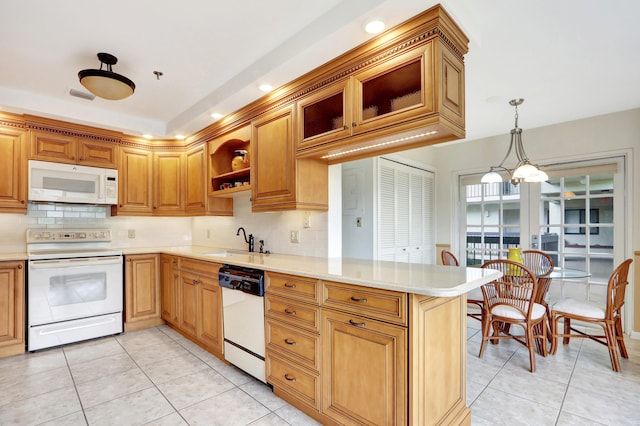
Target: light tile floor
<point>157,377</point>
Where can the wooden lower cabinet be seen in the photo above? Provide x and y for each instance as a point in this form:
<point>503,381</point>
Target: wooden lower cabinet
<point>142,291</point>
<point>192,300</point>
<point>364,370</point>
<point>170,280</point>
<point>12,308</point>
<point>355,355</point>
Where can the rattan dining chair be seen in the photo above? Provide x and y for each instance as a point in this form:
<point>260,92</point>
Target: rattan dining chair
<point>450,259</point>
<point>608,317</point>
<point>510,301</point>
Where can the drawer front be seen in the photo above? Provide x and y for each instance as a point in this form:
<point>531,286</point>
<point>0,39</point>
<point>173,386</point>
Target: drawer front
<point>209,269</point>
<point>294,313</point>
<point>304,289</point>
<point>299,345</point>
<point>299,383</point>
<point>374,303</point>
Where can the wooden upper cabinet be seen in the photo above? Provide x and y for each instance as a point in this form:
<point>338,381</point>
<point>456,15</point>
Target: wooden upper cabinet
<point>280,181</point>
<point>13,170</point>
<point>394,91</point>
<point>135,190</point>
<point>325,115</point>
<point>97,154</point>
<point>168,183</point>
<point>402,90</point>
<point>195,176</point>
<point>61,148</point>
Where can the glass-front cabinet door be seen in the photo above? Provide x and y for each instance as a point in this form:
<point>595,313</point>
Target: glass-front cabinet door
<point>393,91</point>
<point>325,115</point>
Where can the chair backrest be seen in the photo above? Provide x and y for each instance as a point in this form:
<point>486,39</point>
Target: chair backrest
<point>448,258</point>
<point>517,287</point>
<point>616,288</point>
<point>539,262</point>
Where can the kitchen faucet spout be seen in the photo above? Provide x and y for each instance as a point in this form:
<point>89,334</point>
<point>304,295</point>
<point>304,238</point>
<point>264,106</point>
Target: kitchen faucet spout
<point>249,240</point>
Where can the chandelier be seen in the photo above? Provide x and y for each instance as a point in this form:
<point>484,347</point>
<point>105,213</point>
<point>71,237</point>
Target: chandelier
<point>523,171</point>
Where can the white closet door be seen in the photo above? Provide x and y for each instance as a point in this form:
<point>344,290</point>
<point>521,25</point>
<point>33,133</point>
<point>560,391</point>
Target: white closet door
<point>405,213</point>
<point>386,213</point>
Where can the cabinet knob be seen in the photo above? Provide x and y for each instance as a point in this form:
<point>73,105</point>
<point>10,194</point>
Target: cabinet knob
<point>19,266</point>
<point>353,124</point>
<point>345,127</point>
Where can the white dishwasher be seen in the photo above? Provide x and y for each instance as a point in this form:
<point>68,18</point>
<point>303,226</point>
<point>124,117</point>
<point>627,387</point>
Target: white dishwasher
<point>243,318</point>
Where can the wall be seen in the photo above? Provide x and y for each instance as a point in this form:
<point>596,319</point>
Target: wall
<point>357,201</point>
<point>273,228</point>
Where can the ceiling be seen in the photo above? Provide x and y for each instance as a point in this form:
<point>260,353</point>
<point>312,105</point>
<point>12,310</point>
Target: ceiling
<point>569,59</point>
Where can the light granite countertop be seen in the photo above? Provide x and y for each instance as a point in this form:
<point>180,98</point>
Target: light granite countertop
<point>429,280</point>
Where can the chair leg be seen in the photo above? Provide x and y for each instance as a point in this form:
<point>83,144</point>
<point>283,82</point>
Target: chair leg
<point>486,326</point>
<point>567,330</point>
<point>610,334</point>
<point>530,346</point>
<point>620,338</point>
<point>553,321</point>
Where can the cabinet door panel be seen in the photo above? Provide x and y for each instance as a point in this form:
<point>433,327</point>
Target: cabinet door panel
<point>170,278</point>
<point>98,154</point>
<point>188,316</point>
<point>53,147</point>
<point>364,370</point>
<point>196,164</point>
<point>273,167</point>
<point>141,287</point>
<point>11,308</point>
<point>13,171</point>
<point>210,314</point>
<point>168,183</point>
<point>135,191</point>
<point>396,90</point>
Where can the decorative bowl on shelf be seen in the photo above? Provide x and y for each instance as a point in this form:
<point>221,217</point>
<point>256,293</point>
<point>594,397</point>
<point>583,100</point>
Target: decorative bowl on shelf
<point>240,159</point>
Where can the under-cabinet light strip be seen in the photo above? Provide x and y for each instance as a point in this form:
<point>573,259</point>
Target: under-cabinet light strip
<point>377,145</point>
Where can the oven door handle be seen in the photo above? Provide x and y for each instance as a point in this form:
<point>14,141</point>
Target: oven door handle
<point>75,262</point>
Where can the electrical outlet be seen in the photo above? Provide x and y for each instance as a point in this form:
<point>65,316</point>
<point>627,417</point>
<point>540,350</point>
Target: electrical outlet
<point>132,233</point>
<point>359,222</point>
<point>295,236</point>
<point>307,220</point>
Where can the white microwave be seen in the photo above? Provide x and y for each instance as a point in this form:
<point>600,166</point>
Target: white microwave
<point>69,183</point>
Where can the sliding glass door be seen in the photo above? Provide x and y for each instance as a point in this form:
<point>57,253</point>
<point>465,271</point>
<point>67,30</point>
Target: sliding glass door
<point>577,217</point>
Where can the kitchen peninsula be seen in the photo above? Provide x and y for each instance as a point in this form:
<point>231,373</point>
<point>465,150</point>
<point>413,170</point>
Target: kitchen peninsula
<point>365,342</point>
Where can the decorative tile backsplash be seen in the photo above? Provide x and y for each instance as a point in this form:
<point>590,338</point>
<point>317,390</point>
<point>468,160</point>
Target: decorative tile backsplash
<point>145,231</point>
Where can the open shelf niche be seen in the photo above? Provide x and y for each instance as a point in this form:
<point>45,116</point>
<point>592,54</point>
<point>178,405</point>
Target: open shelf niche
<point>221,153</point>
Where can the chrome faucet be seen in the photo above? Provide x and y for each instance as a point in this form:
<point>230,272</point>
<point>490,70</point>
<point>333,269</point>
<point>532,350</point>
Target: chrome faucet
<point>249,241</point>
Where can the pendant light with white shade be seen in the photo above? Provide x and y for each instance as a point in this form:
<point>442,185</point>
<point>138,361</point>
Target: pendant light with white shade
<point>524,171</point>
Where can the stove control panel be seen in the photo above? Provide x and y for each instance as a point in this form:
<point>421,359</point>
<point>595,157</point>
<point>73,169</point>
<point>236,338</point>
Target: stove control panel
<point>72,235</point>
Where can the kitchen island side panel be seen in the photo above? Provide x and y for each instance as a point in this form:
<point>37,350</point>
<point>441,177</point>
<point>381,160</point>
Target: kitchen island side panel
<point>437,360</point>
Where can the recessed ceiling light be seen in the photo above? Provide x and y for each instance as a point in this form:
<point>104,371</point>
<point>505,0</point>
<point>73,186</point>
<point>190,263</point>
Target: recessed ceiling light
<point>216,115</point>
<point>147,136</point>
<point>374,26</point>
<point>180,137</point>
<point>266,87</point>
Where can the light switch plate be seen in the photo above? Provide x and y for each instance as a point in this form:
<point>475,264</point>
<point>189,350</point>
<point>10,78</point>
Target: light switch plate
<point>295,236</point>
